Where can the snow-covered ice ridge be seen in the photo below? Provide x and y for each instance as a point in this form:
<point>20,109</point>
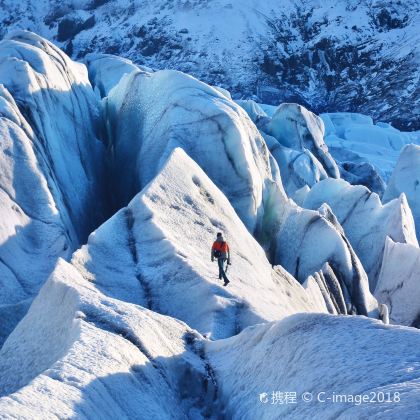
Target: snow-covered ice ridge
<point>349,55</point>
<point>114,180</point>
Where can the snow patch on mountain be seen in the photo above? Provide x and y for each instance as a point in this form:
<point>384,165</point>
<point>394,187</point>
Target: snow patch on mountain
<point>359,57</point>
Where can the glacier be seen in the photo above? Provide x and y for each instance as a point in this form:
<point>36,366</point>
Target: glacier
<point>105,358</point>
<point>397,285</point>
<point>158,261</point>
<point>52,162</point>
<point>405,179</point>
<point>115,179</point>
<point>366,222</point>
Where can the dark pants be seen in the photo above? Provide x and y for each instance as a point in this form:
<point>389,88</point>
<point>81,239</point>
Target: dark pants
<point>221,264</point>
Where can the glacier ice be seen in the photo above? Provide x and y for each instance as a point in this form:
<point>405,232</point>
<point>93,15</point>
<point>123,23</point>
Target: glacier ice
<point>80,354</point>
<point>330,289</point>
<point>137,323</point>
<point>335,355</point>
<point>151,114</point>
<point>299,129</point>
<point>101,357</point>
<point>106,70</point>
<point>355,138</point>
<point>308,239</point>
<point>406,179</point>
<point>297,168</point>
<point>398,283</point>
<point>51,162</point>
<point>294,137</point>
<point>363,173</point>
<point>366,222</point>
<point>160,248</point>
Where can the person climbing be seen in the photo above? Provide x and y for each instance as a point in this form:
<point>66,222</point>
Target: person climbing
<point>220,251</point>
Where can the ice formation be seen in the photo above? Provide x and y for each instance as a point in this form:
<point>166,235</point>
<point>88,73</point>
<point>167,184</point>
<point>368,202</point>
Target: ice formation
<point>406,179</point>
<point>366,222</point>
<point>136,324</point>
<point>398,283</point>
<point>50,165</point>
<point>160,248</point>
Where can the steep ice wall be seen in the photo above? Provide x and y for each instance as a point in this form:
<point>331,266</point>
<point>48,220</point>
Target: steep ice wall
<point>160,245</point>
<point>50,166</point>
<point>366,222</point>
<point>54,95</point>
<point>398,283</point>
<point>33,233</point>
<point>307,240</point>
<point>294,137</point>
<point>298,168</point>
<point>335,355</point>
<point>406,179</point>
<point>299,129</point>
<point>106,70</point>
<point>151,114</point>
<point>330,288</point>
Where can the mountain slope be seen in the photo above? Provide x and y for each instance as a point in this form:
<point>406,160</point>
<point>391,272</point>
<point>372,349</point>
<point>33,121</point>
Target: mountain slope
<point>359,56</point>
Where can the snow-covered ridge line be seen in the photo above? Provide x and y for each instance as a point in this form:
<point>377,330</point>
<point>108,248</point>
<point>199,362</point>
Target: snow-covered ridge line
<point>160,261</point>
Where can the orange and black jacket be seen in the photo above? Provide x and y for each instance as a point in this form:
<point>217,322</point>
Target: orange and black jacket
<point>223,247</point>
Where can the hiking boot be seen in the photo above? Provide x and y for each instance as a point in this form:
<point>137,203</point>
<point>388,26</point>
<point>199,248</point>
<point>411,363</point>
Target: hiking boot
<point>226,282</point>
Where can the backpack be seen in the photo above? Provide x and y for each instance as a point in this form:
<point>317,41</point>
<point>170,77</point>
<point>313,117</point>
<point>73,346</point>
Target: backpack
<point>218,252</point>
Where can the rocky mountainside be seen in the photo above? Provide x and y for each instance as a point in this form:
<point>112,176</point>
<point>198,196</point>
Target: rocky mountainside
<point>355,55</point>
